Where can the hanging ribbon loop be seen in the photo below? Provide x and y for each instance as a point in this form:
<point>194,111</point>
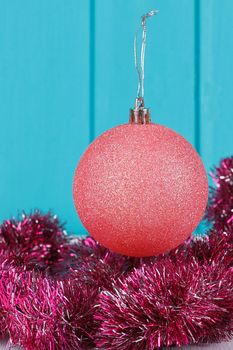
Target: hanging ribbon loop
<point>140,70</point>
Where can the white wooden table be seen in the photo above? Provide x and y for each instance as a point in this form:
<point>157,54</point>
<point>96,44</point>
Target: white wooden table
<point>222,346</point>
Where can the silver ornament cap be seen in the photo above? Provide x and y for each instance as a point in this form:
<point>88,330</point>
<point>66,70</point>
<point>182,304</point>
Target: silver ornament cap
<point>139,114</point>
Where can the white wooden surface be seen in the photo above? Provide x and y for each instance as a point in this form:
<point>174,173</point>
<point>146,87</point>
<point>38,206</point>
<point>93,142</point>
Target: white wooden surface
<point>223,346</point>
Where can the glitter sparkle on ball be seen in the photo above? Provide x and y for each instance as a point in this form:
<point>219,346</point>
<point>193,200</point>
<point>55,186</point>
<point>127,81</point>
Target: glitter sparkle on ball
<point>140,190</point>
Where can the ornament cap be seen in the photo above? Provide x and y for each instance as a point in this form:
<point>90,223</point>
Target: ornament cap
<point>139,114</point>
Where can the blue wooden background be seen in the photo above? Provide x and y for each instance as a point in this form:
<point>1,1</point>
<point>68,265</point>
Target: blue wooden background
<point>67,74</point>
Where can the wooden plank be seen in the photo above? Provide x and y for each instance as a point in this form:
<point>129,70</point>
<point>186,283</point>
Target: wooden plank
<point>169,85</point>
<point>44,104</point>
<point>216,80</point>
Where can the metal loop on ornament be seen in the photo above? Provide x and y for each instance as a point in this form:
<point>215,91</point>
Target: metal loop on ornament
<point>141,72</point>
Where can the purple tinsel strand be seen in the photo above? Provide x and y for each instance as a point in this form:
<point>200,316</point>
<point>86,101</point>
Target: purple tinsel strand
<point>167,303</point>
<point>35,241</point>
<point>220,209</point>
<point>43,313</point>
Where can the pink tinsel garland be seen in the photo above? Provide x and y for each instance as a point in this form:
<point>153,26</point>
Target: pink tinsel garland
<point>59,292</point>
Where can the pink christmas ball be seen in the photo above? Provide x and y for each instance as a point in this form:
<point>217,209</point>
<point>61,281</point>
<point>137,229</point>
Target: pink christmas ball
<point>140,190</point>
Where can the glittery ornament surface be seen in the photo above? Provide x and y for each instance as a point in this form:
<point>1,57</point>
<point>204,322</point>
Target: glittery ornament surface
<point>140,190</point>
